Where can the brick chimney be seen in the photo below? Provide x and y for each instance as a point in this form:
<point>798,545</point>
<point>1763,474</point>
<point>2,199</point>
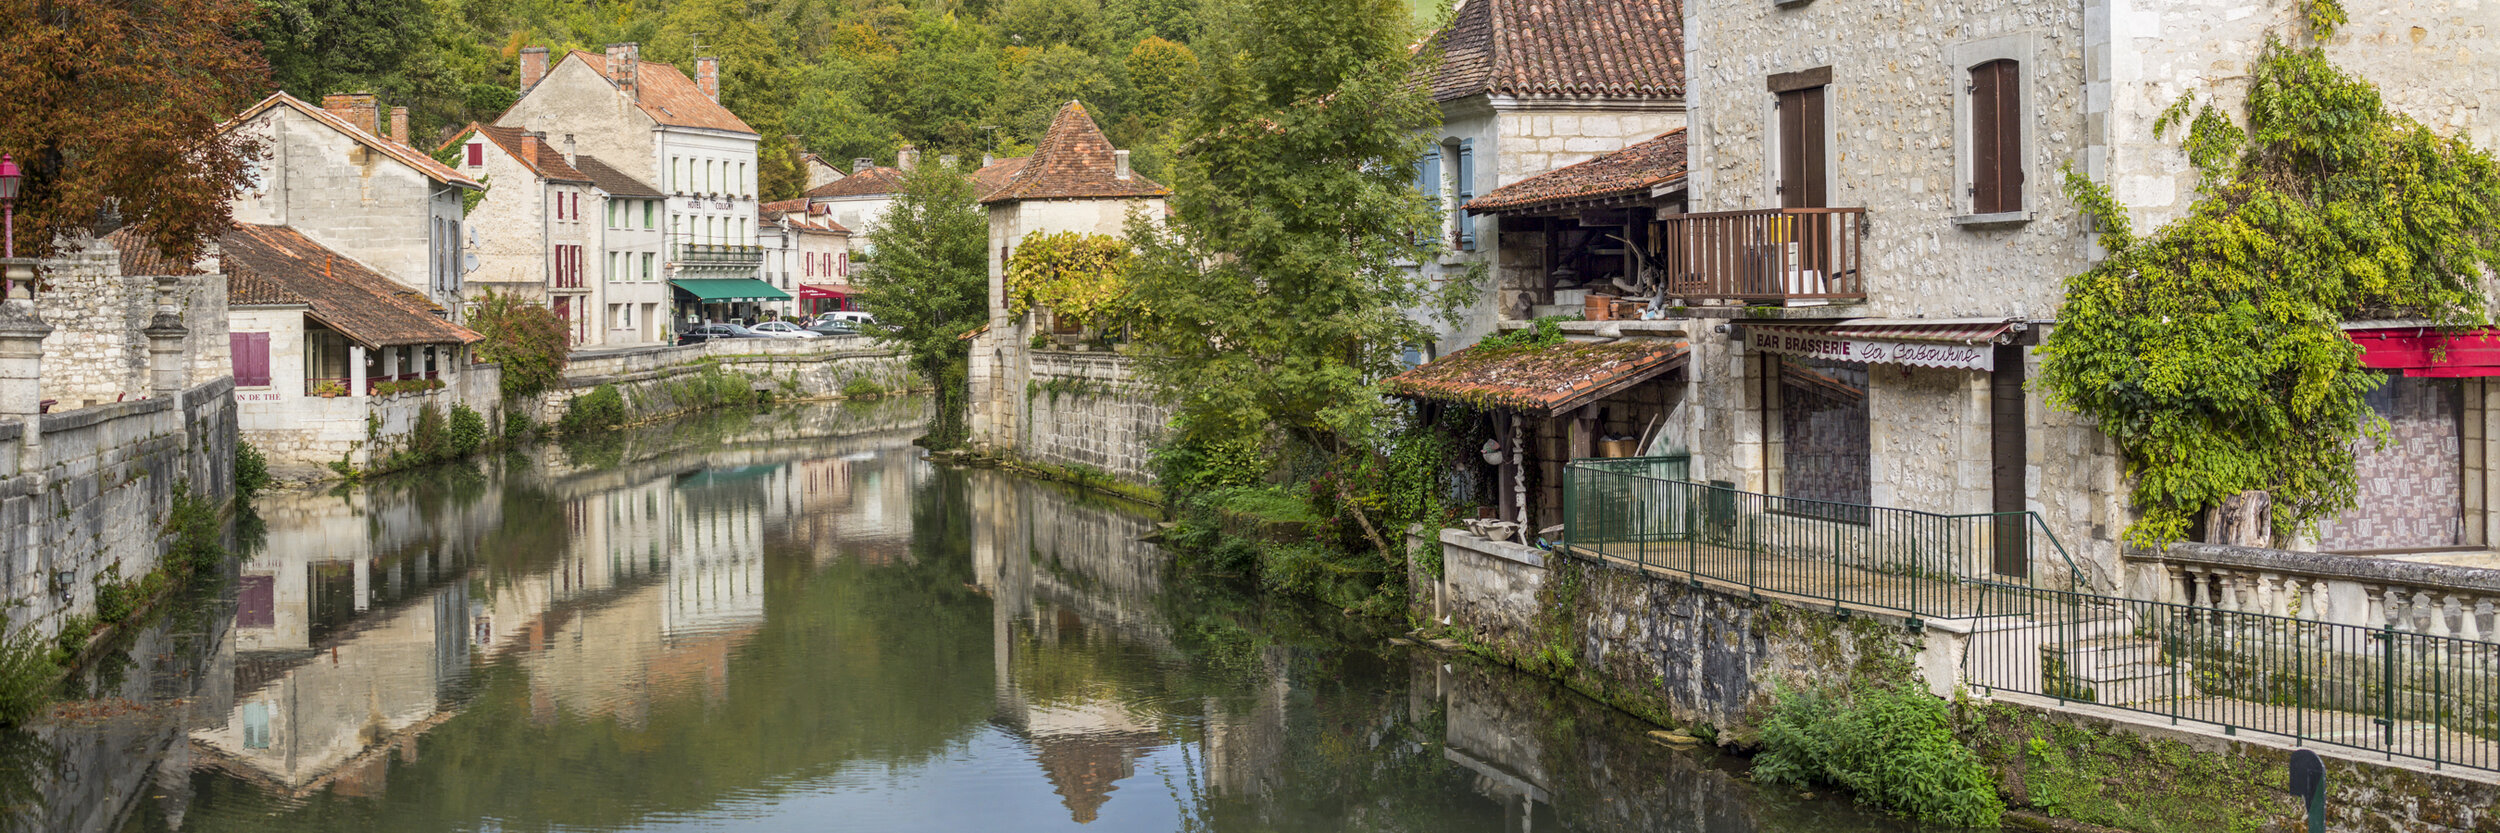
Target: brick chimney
<point>533,67</point>
<point>625,65</point>
<point>357,108</point>
<point>861,165</point>
<point>529,148</point>
<point>399,125</point>
<point>707,77</point>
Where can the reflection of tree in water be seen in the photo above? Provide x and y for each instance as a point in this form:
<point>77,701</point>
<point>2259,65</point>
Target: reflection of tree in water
<point>27,762</point>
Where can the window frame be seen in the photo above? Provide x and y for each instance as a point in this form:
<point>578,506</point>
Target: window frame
<point>2022,48</point>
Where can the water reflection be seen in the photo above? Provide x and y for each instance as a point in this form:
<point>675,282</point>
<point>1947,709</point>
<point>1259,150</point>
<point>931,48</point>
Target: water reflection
<point>787,621</point>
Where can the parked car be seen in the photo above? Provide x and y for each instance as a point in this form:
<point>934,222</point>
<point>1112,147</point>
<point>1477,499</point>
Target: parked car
<point>834,328</point>
<point>782,329</point>
<point>856,317</point>
<point>708,332</point>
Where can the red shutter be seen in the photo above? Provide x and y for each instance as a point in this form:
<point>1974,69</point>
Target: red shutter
<point>844,267</point>
<point>250,354</point>
<point>477,154</point>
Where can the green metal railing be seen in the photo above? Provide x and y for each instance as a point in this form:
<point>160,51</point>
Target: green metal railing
<point>2404,689</point>
<point>1915,563</point>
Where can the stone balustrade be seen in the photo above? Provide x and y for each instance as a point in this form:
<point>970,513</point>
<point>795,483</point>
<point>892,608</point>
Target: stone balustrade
<point>2405,596</point>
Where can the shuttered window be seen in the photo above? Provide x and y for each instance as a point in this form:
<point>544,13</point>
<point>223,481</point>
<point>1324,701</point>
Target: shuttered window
<point>1996,129</point>
<point>1801,163</point>
<point>477,154</point>
<point>1428,179</point>
<point>250,352</point>
<point>1466,169</point>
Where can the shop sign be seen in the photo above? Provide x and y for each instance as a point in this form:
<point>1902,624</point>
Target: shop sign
<point>1861,351</point>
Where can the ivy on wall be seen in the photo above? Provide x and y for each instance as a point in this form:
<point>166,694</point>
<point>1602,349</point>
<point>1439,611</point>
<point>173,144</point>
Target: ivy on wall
<point>2212,350</point>
<point>1078,276</point>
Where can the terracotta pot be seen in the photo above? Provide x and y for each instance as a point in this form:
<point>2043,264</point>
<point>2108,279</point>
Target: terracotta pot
<point>1599,307</point>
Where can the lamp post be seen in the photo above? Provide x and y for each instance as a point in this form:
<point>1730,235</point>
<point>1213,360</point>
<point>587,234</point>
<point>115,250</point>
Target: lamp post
<point>8,204</point>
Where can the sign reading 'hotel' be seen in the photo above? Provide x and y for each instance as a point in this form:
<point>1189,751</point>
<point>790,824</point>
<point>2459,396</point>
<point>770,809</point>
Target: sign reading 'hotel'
<point>1862,351</point>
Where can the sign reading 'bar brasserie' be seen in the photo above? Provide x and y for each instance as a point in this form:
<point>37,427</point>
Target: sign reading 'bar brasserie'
<point>1916,354</point>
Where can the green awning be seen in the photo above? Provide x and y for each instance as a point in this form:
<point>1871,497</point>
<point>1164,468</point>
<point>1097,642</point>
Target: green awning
<point>709,290</point>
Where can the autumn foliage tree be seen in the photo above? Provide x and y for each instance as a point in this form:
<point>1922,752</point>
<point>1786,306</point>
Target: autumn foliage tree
<point>526,339</point>
<point>112,108</point>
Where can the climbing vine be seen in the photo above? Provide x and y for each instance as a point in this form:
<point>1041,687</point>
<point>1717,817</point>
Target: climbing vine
<point>1078,276</point>
<point>2212,350</point>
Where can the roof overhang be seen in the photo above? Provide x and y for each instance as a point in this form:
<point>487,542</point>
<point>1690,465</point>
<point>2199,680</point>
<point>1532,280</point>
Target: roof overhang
<point>1541,380</point>
<point>2427,351</point>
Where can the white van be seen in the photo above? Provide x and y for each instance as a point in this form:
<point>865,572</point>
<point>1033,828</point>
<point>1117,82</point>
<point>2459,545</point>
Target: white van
<point>855,317</point>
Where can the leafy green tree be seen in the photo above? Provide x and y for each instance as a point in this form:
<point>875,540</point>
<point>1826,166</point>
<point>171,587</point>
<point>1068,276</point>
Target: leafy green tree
<point>1040,23</point>
<point>1277,299</point>
<point>1162,76</point>
<point>1174,20</point>
<point>527,339</point>
<point>928,283</point>
<point>1045,80</point>
<point>317,47</point>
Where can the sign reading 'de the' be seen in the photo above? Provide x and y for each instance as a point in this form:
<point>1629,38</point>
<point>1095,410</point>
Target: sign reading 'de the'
<point>1859,351</point>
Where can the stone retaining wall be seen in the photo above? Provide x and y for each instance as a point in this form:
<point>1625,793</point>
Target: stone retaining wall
<point>1089,409</point>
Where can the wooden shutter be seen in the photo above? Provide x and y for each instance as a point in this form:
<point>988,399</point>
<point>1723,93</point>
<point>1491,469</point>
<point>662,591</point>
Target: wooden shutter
<point>1428,183</point>
<point>477,154</point>
<point>250,354</point>
<point>1801,162</point>
<point>1466,191</point>
<point>1996,137</point>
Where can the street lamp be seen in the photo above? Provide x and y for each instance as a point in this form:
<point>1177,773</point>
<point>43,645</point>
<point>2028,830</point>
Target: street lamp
<point>8,204</point>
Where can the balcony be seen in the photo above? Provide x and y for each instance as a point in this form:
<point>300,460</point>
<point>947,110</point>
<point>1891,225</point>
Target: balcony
<point>1778,256</point>
<point>717,256</point>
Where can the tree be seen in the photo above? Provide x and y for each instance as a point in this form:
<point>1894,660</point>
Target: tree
<point>317,47</point>
<point>1277,298</point>
<point>116,106</point>
<point>1040,23</point>
<point>527,339</point>
<point>1162,75</point>
<point>928,283</point>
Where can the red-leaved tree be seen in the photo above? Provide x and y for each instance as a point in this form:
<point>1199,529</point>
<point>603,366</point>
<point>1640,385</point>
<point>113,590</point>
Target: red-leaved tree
<point>113,106</point>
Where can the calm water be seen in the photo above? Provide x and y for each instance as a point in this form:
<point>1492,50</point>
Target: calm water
<point>788,621</point>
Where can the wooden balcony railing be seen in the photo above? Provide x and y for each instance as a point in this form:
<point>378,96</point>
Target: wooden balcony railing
<point>1768,255</point>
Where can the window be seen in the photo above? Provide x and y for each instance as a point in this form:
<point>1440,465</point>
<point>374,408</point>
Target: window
<point>1428,176</point>
<point>646,265</point>
<point>477,154</point>
<point>676,175</point>
<point>1465,188</point>
<point>650,213</point>
<point>842,264</point>
<point>250,353</point>
<point>1996,136</point>
<point>742,179</point>
<point>1802,179</point>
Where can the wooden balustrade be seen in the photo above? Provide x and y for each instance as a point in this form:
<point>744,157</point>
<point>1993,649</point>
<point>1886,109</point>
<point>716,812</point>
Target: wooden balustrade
<point>1770,255</point>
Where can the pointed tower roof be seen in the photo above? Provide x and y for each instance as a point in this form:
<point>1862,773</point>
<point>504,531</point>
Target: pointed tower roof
<point>1074,161</point>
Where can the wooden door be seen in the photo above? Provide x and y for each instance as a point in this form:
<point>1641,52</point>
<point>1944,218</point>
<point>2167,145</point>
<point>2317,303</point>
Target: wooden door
<point>2007,447</point>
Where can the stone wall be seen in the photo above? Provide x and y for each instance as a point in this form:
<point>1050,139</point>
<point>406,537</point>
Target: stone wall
<point>97,352</point>
<point>88,496</point>
<point>1089,409</point>
<point>790,368</point>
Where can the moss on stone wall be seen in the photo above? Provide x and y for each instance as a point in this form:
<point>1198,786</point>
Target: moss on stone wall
<point>2100,775</point>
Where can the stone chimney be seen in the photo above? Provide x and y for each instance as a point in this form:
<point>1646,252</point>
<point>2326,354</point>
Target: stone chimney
<point>529,148</point>
<point>707,77</point>
<point>1119,164</point>
<point>568,150</point>
<point>907,158</point>
<point>533,67</point>
<point>625,65</point>
<point>862,164</point>
<point>399,125</point>
<point>988,160</point>
<point>357,108</point>
<point>948,160</point>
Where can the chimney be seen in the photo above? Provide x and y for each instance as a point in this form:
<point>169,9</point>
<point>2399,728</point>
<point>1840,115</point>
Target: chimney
<point>907,158</point>
<point>1119,164</point>
<point>399,125</point>
<point>568,150</point>
<point>533,67</point>
<point>357,108</point>
<point>988,160</point>
<point>861,165</point>
<point>707,77</point>
<point>948,161</point>
<point>625,65</point>
<point>529,149</point>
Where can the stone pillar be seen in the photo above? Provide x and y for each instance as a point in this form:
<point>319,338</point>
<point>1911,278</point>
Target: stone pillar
<point>356,370</point>
<point>390,363</point>
<point>21,359</point>
<point>166,362</point>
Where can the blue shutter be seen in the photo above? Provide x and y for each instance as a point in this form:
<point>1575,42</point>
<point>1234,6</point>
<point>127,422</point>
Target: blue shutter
<point>1466,192</point>
<point>1428,182</point>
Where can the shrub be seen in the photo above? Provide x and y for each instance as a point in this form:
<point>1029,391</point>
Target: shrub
<point>1892,744</point>
<point>516,426</point>
<point>862,387</point>
<point>399,386</point>
<point>599,410</point>
<point>251,470</point>
<point>197,530</point>
<point>26,675</point>
<point>468,430</point>
<point>527,339</point>
<point>430,440</point>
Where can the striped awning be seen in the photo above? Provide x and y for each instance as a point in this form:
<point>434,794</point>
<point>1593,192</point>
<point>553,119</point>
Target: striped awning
<point>1962,343</point>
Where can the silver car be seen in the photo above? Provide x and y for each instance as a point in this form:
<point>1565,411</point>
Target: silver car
<point>783,329</point>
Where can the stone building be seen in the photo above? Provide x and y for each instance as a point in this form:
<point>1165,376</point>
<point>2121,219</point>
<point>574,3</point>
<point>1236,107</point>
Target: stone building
<point>858,202</point>
<point>101,298</point>
<point>1526,88</point>
<point>329,173</point>
<point>535,233</point>
<point>808,255</point>
<point>631,245</point>
<point>653,123</point>
<point>1075,181</point>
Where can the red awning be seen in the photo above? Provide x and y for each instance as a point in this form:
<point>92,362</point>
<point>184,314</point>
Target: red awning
<point>824,290</point>
<point>2423,351</point>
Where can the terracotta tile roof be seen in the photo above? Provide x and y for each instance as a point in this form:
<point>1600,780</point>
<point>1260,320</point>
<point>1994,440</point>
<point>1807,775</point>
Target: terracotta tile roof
<point>783,206</point>
<point>607,178</point>
<point>1562,47</point>
<point>1543,380</point>
<point>1073,161</point>
<point>549,163</point>
<point>139,257</point>
<point>997,174</point>
<point>1634,170</point>
<point>404,154</point>
<point>669,97</point>
<point>801,214</point>
<point>865,182</point>
<point>277,264</point>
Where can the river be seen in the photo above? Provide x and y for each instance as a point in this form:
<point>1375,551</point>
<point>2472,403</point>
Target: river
<point>787,620</point>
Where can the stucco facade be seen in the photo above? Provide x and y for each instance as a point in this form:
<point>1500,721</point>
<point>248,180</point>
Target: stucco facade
<point>358,193</point>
